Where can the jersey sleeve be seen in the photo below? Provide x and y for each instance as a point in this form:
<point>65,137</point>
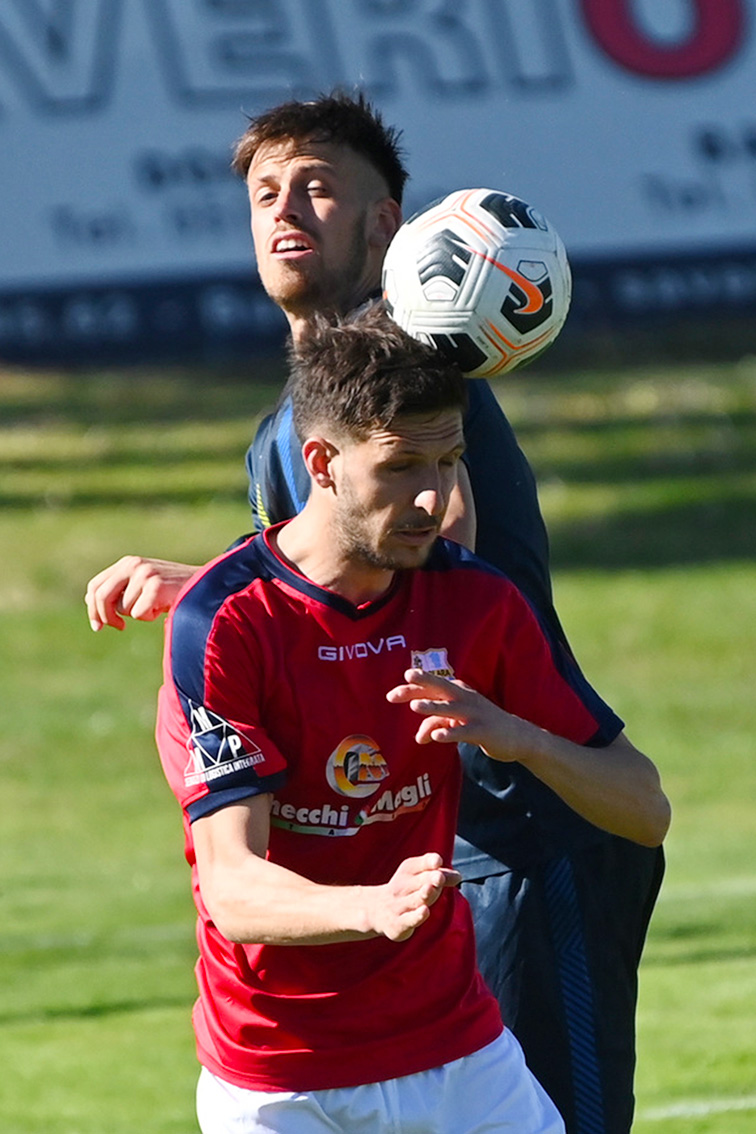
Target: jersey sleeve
<point>539,680</point>
<point>278,480</point>
<point>511,531</point>
<point>212,745</point>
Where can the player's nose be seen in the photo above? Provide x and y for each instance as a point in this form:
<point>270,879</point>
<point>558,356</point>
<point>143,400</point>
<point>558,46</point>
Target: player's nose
<point>287,207</point>
<point>431,499</point>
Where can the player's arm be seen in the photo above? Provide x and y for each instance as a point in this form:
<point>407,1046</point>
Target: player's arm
<point>460,521</point>
<point>251,899</point>
<point>134,587</point>
<point>615,787</point>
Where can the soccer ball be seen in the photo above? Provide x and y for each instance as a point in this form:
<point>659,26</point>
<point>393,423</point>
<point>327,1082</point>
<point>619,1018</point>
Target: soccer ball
<point>481,275</point>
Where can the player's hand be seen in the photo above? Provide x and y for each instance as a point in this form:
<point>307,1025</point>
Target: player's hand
<point>396,909</point>
<point>453,713</point>
<point>136,588</point>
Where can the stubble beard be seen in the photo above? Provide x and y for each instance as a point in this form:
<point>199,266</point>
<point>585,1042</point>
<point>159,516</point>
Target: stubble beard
<point>357,541</point>
<point>300,294</point>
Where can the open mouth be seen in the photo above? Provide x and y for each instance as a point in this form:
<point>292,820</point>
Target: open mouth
<point>291,244</point>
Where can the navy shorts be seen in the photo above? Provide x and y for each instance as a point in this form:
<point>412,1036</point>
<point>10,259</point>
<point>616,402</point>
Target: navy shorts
<point>559,944</point>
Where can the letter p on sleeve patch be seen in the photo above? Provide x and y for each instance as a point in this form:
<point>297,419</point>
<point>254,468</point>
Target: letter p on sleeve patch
<point>216,748</point>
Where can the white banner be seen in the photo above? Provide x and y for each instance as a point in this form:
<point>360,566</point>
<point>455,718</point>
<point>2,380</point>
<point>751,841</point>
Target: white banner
<point>630,123</point>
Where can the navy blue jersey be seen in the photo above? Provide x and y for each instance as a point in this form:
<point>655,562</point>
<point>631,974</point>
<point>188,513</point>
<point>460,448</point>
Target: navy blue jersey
<point>507,817</point>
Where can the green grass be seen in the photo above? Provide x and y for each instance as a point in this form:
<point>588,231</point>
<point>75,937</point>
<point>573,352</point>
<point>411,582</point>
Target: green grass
<point>647,481</point>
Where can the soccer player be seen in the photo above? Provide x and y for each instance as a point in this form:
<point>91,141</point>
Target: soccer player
<point>561,908</point>
<point>317,681</point>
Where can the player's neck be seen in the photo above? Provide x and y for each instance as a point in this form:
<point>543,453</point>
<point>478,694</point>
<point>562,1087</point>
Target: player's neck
<point>305,545</point>
<point>300,319</point>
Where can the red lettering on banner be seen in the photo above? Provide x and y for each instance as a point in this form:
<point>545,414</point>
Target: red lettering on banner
<point>718,32</point>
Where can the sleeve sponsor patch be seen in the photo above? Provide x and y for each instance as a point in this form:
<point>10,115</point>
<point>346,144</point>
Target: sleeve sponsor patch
<point>216,748</point>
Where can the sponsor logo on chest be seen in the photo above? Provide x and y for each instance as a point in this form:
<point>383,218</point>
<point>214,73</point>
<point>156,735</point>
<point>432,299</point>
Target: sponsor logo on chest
<point>357,770</point>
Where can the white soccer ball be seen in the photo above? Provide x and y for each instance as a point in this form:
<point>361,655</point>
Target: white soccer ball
<point>481,275</point>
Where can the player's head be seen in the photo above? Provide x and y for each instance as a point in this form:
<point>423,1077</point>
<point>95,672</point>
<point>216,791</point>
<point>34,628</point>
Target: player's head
<point>357,373</point>
<point>325,181</point>
<point>338,118</point>
<point>380,417</point>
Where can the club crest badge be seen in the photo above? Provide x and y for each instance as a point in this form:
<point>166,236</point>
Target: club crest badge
<point>434,661</point>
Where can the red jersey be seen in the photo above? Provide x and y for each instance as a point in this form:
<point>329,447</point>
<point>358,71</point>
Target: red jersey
<point>273,684</point>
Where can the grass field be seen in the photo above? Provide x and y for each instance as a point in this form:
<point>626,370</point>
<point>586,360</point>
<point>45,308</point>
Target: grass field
<point>648,481</point>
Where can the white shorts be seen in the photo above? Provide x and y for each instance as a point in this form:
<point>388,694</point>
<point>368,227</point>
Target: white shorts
<point>491,1091</point>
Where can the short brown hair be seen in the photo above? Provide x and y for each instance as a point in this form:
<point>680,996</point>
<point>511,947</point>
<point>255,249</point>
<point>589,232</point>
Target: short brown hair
<point>337,117</point>
<point>361,371</point>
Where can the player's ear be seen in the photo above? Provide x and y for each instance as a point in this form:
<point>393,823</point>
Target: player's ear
<point>317,453</point>
<point>385,218</point>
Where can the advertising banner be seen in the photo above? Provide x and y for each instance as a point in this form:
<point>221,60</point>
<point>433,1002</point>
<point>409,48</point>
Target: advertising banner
<point>630,123</point>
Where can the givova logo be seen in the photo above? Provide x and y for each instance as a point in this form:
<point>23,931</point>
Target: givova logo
<point>356,767</point>
<point>216,748</point>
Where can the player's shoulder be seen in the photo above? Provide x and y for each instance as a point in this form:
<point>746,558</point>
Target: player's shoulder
<point>473,584</point>
<point>447,555</point>
<point>208,613</point>
<point>468,571</point>
<point>218,582</point>
<point>277,426</point>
